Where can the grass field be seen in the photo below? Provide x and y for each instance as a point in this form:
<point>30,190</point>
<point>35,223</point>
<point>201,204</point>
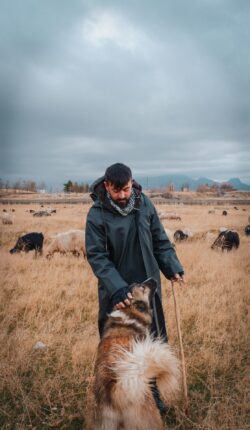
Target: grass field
<point>55,302</point>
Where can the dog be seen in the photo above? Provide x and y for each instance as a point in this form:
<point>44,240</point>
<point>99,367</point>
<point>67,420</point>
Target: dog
<point>128,361</point>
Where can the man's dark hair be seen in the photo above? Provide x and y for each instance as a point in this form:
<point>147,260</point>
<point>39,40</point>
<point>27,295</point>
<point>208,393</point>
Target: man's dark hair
<point>118,175</point>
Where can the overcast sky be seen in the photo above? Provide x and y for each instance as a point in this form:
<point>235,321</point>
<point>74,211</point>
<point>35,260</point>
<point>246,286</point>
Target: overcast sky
<point>163,86</point>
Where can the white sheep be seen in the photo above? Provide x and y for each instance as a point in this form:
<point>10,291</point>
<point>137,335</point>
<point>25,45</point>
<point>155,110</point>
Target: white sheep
<point>7,218</point>
<point>69,241</point>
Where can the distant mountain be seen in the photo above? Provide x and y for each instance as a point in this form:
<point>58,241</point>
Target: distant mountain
<point>236,183</point>
<point>180,180</point>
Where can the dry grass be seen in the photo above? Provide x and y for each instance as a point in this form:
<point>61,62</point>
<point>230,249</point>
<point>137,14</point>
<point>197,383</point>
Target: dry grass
<point>56,302</point>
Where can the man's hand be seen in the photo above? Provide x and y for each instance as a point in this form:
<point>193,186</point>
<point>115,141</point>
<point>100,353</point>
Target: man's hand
<point>178,278</point>
<point>126,302</point>
<point>121,298</point>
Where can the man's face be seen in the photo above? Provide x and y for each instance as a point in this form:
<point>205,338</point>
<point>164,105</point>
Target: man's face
<point>119,196</point>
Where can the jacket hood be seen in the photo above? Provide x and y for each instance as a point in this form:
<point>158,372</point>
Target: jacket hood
<point>98,192</point>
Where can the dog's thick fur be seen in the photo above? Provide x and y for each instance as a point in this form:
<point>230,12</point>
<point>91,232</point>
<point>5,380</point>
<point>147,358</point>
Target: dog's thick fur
<point>128,360</point>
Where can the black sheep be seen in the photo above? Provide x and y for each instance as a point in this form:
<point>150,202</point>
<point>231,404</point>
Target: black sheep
<point>227,240</point>
<point>28,242</point>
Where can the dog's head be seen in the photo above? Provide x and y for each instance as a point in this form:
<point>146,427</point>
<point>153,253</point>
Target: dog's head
<point>142,294</point>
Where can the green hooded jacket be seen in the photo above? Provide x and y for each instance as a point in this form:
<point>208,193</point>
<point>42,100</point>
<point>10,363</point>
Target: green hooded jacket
<point>126,249</point>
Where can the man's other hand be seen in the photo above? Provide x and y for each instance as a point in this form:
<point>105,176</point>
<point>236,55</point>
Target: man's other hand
<point>178,278</point>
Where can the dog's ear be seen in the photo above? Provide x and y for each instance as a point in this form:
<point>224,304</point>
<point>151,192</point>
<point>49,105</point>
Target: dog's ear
<point>151,284</point>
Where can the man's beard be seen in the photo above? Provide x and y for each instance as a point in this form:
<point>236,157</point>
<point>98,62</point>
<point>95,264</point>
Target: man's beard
<point>122,203</point>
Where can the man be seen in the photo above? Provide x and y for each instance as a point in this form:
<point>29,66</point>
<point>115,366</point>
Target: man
<point>126,243</point>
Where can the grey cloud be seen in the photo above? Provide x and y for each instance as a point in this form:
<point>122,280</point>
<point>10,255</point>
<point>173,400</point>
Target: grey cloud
<point>79,92</point>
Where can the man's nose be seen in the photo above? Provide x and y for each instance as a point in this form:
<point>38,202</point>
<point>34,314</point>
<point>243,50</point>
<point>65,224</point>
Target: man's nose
<point>121,195</point>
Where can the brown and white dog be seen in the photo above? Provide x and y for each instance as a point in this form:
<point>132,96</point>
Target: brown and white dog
<point>128,360</point>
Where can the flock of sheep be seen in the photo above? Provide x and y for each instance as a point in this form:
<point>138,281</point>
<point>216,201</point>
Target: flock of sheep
<point>73,241</point>
<point>226,240</point>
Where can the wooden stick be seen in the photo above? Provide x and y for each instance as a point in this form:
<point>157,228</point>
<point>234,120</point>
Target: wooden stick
<point>184,377</point>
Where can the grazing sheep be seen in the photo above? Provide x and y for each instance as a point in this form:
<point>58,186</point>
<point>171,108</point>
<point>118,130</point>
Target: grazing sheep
<point>41,213</point>
<point>179,236</point>
<point>72,241</point>
<point>28,242</point>
<point>235,207</point>
<point>224,213</point>
<point>188,232</point>
<point>169,217</point>
<point>247,230</point>
<point>49,210</point>
<point>227,240</point>
<point>7,218</point>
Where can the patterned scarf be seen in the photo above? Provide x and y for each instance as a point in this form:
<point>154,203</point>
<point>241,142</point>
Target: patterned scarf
<point>130,206</point>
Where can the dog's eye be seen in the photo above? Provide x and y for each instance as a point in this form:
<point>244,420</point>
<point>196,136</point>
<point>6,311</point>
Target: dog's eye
<point>141,306</point>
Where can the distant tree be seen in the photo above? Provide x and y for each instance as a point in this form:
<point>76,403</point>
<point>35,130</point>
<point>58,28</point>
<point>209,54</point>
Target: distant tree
<point>85,188</point>
<point>203,188</point>
<point>170,187</point>
<point>29,185</point>
<point>68,187</point>
<point>74,187</point>
<point>226,187</point>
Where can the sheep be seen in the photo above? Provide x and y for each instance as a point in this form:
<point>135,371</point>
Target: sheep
<point>50,210</point>
<point>227,240</point>
<point>169,217</point>
<point>28,242</point>
<point>72,241</point>
<point>179,236</point>
<point>188,232</point>
<point>41,213</point>
<point>7,218</point>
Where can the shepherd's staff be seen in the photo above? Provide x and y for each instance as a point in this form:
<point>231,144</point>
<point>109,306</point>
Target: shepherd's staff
<point>184,376</point>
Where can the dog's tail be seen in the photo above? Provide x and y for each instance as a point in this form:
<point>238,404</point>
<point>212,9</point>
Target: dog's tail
<point>148,360</point>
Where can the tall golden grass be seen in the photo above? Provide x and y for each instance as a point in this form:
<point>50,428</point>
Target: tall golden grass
<point>56,302</point>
